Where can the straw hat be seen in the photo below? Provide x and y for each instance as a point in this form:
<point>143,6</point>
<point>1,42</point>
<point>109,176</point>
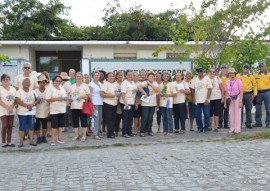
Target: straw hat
<point>42,78</point>
<point>231,70</point>
<point>64,76</point>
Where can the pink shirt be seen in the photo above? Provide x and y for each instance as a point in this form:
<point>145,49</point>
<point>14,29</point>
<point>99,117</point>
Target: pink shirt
<point>233,87</point>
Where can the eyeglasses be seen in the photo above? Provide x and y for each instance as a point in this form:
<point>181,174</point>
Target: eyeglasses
<point>27,68</point>
<point>58,81</point>
<point>200,71</point>
<point>246,67</point>
<point>223,68</point>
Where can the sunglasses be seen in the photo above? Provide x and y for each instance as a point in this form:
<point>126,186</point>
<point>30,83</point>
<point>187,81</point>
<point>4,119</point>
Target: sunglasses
<point>200,70</point>
<point>246,67</point>
<point>27,68</point>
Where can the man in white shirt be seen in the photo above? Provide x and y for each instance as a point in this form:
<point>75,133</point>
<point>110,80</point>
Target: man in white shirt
<point>201,91</point>
<point>26,74</point>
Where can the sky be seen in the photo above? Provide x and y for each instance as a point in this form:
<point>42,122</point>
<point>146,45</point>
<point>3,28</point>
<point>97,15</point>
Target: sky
<point>89,12</point>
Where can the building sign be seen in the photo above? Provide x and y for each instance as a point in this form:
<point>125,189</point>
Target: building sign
<point>170,66</point>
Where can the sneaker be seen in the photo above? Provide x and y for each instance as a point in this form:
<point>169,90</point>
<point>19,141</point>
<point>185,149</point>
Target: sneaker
<point>142,135</point>
<point>53,144</point>
<point>75,139</point>
<point>64,129</point>
<point>226,126</point>
<point>126,136</point>
<point>83,139</point>
<point>151,134</point>
<point>39,140</point>
<point>249,126</point>
<point>44,140</point>
<point>88,134</point>
<point>219,126</point>
<point>61,142</point>
<point>210,129</point>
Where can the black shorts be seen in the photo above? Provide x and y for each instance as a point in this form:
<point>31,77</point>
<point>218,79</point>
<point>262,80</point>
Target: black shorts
<point>58,120</point>
<point>78,116</point>
<point>138,112</point>
<point>42,121</point>
<point>214,107</point>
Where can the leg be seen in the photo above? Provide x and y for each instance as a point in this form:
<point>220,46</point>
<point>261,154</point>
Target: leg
<point>149,124</point>
<point>170,122</point>
<point>9,129</point>
<point>183,115</point>
<point>232,116</point>
<point>226,118</point>
<point>258,113</point>
<point>176,116</point>
<point>95,117</point>
<point>267,108</point>
<point>237,118</point>
<point>199,116</point>
<point>248,107</point>
<point>75,120</point>
<point>130,116</point>
<point>30,122</point>
<point>60,125</point>
<point>221,114</point>
<point>145,113</point>
<point>124,120</point>
<point>159,119</point>
<point>164,119</point>
<point>4,120</point>
<point>191,107</point>
<point>206,113</point>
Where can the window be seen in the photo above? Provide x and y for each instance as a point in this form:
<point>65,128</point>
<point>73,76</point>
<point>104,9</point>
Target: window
<point>125,56</point>
<point>175,55</point>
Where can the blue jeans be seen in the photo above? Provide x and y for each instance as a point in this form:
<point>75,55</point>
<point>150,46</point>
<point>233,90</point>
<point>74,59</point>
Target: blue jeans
<point>26,122</point>
<point>262,97</point>
<point>200,107</point>
<point>127,119</point>
<point>167,119</point>
<point>147,119</point>
<point>97,117</point>
<point>179,113</point>
<point>248,106</point>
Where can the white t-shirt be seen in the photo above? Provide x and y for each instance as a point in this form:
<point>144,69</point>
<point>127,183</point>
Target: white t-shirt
<point>96,98</point>
<point>8,97</point>
<point>43,107</point>
<point>19,79</point>
<point>201,88</point>
<point>77,91</point>
<point>180,97</point>
<point>153,94</point>
<point>216,92</point>
<point>57,107</point>
<point>67,86</point>
<point>167,101</point>
<point>27,98</point>
<point>110,88</point>
<point>130,89</point>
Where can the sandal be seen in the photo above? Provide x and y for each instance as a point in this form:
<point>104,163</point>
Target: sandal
<point>21,145</point>
<point>191,129</point>
<point>4,146</point>
<point>75,139</point>
<point>97,138</point>
<point>11,145</point>
<point>83,139</point>
<point>181,132</point>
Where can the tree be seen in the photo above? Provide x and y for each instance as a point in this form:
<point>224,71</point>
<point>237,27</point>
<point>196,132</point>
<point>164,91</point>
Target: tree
<point>31,19</point>
<point>219,32</point>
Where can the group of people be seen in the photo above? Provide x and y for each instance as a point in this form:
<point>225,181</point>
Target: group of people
<point>46,107</point>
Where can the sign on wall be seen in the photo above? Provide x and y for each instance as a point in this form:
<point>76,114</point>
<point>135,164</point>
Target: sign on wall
<point>171,66</point>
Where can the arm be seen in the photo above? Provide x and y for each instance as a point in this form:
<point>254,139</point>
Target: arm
<point>7,107</point>
<point>225,102</point>
<point>106,95</point>
<point>255,89</point>
<point>209,90</point>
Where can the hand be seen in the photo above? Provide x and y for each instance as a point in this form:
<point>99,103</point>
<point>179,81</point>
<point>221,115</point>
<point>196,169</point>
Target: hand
<point>182,91</point>
<point>252,98</point>
<point>136,107</point>
<point>222,99</point>
<point>9,108</point>
<point>194,102</point>
<point>80,98</point>
<point>206,102</point>
<point>240,104</point>
<point>225,106</point>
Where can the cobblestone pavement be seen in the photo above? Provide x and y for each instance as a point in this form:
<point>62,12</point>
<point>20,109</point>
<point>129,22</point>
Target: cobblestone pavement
<point>185,166</point>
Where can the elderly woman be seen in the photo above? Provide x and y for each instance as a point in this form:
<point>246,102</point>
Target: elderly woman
<point>137,113</point>
<point>110,95</point>
<point>127,102</point>
<point>148,108</point>
<point>79,94</point>
<point>179,103</point>
<point>27,100</point>
<point>43,109</point>
<point>57,98</point>
<point>95,87</point>
<point>215,99</point>
<point>158,78</point>
<point>234,95</point>
<point>118,82</point>
<point>7,103</point>
<point>166,103</point>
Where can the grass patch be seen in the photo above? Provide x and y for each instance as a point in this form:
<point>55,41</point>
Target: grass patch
<point>255,136</point>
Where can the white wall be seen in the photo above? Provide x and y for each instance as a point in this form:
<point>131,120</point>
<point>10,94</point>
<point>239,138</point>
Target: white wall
<point>15,52</point>
<point>98,51</point>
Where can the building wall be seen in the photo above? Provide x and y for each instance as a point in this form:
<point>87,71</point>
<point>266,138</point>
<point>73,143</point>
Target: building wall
<point>15,51</point>
<point>98,52</point>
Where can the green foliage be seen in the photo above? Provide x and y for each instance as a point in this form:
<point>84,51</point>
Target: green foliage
<point>30,19</point>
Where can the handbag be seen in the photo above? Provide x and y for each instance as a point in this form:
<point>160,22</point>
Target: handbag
<point>147,91</point>
<point>88,108</point>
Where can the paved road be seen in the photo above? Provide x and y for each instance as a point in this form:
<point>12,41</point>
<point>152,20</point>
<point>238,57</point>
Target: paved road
<point>183,166</point>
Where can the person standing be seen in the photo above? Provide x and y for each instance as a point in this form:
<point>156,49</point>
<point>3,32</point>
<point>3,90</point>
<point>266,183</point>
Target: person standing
<point>137,113</point>
<point>26,74</point>
<point>263,84</point>
<point>215,99</point>
<point>71,74</point>
<point>80,93</point>
<point>179,103</point>
<point>110,95</point>
<point>189,96</point>
<point>57,97</point>
<point>89,128</point>
<point>43,110</point>
<point>7,110</point>
<point>234,93</point>
<point>148,108</point>
<point>158,78</point>
<point>224,112</point>
<point>249,93</point>
<point>201,91</point>
<point>95,87</point>
<point>118,82</point>
<point>27,100</point>
<point>166,103</point>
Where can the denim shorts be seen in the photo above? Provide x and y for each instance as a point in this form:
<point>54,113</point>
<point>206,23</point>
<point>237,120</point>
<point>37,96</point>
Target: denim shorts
<point>26,122</point>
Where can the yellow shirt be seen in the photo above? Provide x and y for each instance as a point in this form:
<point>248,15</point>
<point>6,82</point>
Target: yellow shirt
<point>223,82</point>
<point>249,83</point>
<point>263,81</point>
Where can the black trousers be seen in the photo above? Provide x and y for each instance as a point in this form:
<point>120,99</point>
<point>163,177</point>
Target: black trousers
<point>147,119</point>
<point>110,115</point>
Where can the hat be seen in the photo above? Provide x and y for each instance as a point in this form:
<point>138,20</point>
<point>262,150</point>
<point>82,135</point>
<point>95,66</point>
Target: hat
<point>42,78</point>
<point>64,76</point>
<point>224,66</point>
<point>231,70</point>
<point>262,64</point>
<point>199,69</point>
<point>246,65</point>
